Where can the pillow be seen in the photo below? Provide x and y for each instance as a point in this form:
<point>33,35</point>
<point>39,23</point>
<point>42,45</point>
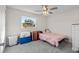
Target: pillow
<point>24,34</point>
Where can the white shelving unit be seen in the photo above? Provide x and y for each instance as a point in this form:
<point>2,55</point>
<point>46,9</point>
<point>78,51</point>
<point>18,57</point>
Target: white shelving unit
<point>75,37</point>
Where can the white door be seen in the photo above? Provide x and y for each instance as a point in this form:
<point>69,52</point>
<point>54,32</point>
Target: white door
<point>2,26</point>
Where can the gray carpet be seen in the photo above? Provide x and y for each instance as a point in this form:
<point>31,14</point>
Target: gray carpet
<point>40,47</point>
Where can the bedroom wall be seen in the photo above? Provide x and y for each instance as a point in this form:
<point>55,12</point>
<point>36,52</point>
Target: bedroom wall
<point>61,22</point>
<point>14,21</point>
<point>57,22</point>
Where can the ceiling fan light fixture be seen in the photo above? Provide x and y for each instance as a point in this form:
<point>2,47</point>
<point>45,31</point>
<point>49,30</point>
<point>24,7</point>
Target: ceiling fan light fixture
<point>45,10</point>
<point>45,7</point>
<point>45,13</point>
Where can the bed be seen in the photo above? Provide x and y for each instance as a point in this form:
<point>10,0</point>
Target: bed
<point>52,38</point>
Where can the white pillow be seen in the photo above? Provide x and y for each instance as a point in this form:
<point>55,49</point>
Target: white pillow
<point>24,34</point>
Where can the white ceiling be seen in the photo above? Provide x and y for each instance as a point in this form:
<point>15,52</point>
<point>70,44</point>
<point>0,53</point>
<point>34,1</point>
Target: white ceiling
<point>33,8</point>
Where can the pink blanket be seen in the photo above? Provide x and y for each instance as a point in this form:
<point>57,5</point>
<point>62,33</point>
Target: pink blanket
<point>52,38</point>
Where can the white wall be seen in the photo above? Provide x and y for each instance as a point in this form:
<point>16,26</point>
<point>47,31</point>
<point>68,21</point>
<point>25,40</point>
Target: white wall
<point>2,26</point>
<point>61,22</point>
<point>14,21</point>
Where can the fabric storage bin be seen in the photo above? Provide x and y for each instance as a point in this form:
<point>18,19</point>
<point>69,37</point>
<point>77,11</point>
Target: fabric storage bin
<point>24,40</point>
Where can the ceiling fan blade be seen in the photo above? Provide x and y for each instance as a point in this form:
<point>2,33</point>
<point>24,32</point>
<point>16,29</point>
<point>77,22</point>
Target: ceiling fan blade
<point>53,8</point>
<point>38,11</point>
<point>50,12</point>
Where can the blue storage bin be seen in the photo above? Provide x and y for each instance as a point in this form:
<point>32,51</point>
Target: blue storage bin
<point>24,40</point>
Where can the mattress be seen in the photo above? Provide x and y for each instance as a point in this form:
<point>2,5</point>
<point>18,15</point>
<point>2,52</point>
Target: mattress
<point>52,38</point>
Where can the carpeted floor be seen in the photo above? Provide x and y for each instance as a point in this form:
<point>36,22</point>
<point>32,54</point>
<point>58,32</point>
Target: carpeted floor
<point>40,47</point>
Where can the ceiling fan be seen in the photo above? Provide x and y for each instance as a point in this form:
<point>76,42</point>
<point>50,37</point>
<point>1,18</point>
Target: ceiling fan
<point>46,10</point>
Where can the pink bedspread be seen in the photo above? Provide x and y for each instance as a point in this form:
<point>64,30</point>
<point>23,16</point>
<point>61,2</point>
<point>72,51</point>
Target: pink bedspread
<point>52,38</point>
